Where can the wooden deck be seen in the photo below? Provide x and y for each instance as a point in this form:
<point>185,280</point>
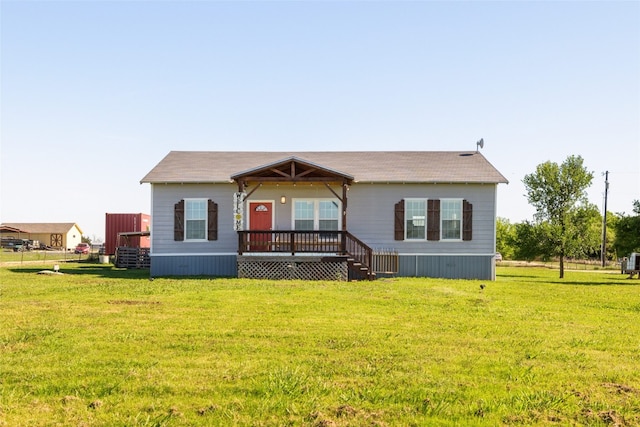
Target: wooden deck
<point>292,242</point>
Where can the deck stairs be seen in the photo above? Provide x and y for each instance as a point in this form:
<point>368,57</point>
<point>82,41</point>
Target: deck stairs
<point>359,258</point>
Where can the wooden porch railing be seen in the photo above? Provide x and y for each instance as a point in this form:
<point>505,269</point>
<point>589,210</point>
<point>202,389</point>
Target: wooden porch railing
<point>360,253</point>
<point>336,242</point>
<point>290,241</point>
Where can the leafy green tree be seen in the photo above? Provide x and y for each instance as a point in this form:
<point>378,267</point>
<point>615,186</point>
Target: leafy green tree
<point>627,230</point>
<point>556,192</point>
<point>585,239</point>
<point>527,243</point>
<point>505,238</point>
<point>532,241</point>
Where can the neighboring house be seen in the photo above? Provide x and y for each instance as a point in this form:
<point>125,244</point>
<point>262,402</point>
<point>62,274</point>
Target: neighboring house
<point>56,235</point>
<point>324,214</point>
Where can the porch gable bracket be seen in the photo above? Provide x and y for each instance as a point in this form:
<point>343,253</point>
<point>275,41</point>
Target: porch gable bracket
<point>292,170</point>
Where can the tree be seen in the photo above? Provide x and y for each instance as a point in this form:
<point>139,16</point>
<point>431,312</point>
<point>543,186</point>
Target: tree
<point>586,226</point>
<point>505,238</point>
<point>527,245</point>
<point>556,192</point>
<point>627,230</point>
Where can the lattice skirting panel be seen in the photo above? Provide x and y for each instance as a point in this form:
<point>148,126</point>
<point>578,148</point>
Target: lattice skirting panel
<point>300,268</point>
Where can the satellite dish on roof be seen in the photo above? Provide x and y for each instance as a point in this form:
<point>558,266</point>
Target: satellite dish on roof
<point>480,144</point>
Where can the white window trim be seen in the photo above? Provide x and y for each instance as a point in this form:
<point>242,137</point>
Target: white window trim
<point>206,218</point>
<point>459,239</point>
<point>415,199</point>
<point>316,210</point>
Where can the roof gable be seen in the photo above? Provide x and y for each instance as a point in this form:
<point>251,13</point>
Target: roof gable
<point>292,169</point>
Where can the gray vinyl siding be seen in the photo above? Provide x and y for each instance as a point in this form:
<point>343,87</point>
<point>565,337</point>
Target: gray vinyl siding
<point>163,201</point>
<point>370,217</point>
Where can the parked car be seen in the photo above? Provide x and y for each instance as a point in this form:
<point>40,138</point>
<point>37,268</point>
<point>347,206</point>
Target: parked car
<point>11,243</point>
<point>498,256</point>
<point>83,248</point>
<point>18,245</point>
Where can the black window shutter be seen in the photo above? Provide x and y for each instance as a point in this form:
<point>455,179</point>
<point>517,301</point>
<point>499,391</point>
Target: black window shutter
<point>178,221</point>
<point>212,220</point>
<point>433,219</point>
<point>399,221</point>
<point>467,220</point>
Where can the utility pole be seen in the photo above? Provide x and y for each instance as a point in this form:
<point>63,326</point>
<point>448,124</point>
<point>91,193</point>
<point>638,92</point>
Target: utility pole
<point>603,255</point>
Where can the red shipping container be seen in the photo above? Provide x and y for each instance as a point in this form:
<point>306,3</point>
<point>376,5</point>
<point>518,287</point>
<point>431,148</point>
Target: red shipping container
<point>126,223</point>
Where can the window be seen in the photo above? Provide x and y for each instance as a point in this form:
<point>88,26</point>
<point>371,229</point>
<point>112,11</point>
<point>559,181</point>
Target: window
<point>451,219</point>
<point>316,214</point>
<point>446,219</point>
<point>415,219</point>
<point>303,215</point>
<point>327,215</point>
<point>195,219</point>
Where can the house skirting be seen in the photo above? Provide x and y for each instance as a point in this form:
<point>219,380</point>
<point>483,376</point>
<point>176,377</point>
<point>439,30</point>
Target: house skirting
<point>293,267</point>
<point>479,267</point>
<point>219,265</point>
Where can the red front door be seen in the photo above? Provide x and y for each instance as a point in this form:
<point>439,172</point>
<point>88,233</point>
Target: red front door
<point>260,218</point>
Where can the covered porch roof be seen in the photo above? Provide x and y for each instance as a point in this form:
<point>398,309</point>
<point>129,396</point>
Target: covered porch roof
<point>291,169</point>
<point>295,170</point>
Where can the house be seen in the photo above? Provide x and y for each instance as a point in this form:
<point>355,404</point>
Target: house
<point>65,235</point>
<point>324,214</point>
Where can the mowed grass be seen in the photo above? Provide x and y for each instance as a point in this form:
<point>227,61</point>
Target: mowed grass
<point>100,346</point>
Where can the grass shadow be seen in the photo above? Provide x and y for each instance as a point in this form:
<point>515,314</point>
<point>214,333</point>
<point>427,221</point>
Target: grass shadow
<point>106,271</point>
<point>590,279</point>
<point>517,276</point>
<point>613,282</point>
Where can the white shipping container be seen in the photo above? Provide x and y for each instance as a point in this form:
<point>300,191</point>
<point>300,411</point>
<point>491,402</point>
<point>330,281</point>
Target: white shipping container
<point>634,262</point>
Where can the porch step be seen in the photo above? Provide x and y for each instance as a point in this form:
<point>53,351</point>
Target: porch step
<point>358,266</point>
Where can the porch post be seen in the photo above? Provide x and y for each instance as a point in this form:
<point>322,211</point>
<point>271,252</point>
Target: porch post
<point>343,242</point>
<point>241,236</point>
<point>344,206</point>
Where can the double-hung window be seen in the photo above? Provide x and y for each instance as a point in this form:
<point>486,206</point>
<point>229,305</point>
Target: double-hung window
<point>195,219</point>
<point>433,220</point>
<point>451,219</point>
<point>316,214</point>
<point>328,215</point>
<point>415,219</point>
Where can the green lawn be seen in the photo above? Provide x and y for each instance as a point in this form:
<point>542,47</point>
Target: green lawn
<point>101,346</point>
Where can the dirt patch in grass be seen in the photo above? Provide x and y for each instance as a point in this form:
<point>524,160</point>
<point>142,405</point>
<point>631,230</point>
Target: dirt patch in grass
<point>621,388</point>
<point>610,417</point>
<point>345,411</point>
<point>207,410</point>
<point>132,302</point>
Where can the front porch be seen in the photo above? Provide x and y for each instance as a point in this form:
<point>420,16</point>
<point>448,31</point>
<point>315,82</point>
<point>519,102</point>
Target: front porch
<point>310,255</point>
<point>320,247</point>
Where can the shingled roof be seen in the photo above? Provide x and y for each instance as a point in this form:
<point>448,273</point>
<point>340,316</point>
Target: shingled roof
<point>42,227</point>
<point>363,166</point>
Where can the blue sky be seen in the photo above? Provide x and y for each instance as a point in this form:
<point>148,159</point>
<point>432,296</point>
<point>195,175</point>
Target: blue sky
<point>95,93</point>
